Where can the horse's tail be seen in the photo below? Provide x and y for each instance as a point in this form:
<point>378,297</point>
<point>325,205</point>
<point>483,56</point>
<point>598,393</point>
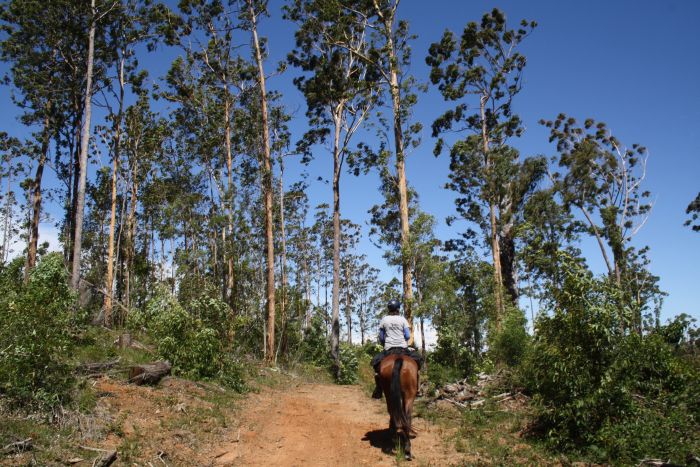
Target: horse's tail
<point>396,410</point>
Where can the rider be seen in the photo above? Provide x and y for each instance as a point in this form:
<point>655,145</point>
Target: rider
<point>394,333</point>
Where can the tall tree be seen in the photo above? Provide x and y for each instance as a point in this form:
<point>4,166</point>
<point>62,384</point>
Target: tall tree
<point>256,8</point>
<point>602,179</point>
<point>84,140</point>
<point>484,63</point>
<point>394,57</point>
<point>340,91</point>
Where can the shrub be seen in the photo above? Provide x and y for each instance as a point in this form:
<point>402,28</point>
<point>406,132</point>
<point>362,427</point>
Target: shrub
<point>193,340</point>
<point>600,388</point>
<point>315,348</point>
<point>35,338</point>
<point>347,372</point>
<point>510,344</point>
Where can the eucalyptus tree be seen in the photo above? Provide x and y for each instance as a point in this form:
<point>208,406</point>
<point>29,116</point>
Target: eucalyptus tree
<point>255,8</point>
<point>210,35</point>
<point>484,63</point>
<point>10,168</point>
<point>133,22</point>
<point>693,210</point>
<point>144,136</point>
<point>391,55</point>
<point>602,179</point>
<point>340,91</point>
<point>366,279</point>
<point>36,43</point>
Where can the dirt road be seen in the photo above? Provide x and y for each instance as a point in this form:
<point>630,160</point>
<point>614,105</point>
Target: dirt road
<point>324,425</point>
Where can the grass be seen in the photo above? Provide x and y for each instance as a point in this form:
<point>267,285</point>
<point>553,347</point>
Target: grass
<point>489,435</point>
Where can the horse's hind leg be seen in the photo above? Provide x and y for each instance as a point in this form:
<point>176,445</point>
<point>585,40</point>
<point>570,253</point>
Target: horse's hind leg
<point>406,446</point>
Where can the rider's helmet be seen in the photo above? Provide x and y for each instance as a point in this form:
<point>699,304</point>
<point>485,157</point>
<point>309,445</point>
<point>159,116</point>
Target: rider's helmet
<point>394,306</point>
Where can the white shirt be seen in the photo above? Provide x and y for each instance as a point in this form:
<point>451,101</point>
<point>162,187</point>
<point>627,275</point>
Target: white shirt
<point>394,326</point>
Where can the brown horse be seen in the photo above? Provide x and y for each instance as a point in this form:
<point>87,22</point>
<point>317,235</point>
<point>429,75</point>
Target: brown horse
<point>399,379</point>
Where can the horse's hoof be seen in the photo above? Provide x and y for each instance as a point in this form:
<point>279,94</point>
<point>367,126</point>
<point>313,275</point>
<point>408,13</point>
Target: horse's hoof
<point>408,457</point>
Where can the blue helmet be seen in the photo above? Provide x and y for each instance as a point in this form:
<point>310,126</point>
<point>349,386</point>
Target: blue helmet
<point>393,305</point>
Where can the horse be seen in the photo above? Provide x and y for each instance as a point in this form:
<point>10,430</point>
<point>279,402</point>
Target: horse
<point>398,375</point>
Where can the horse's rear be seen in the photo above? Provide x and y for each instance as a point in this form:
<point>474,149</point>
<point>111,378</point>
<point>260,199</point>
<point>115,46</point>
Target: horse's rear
<point>399,377</point>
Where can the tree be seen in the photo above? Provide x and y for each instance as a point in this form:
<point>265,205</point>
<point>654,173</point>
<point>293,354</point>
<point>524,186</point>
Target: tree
<point>84,140</point>
<point>603,180</point>
<point>255,9</point>
<point>339,91</point>
<point>132,23</point>
<point>485,64</point>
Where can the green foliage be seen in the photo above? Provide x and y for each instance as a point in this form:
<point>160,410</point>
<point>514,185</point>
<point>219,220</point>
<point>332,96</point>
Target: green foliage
<point>618,395</point>
<point>315,347</point>
<point>193,339</point>
<point>347,371</point>
<point>450,353</point>
<point>510,344</point>
<point>35,323</point>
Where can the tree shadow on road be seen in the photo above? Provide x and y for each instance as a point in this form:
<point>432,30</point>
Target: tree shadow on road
<point>382,439</point>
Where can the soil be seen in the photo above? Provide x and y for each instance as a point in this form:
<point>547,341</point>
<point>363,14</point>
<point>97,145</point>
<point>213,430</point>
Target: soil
<point>325,425</point>
<point>183,423</point>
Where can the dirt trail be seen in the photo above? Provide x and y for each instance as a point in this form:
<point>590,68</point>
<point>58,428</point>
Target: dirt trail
<point>324,425</point>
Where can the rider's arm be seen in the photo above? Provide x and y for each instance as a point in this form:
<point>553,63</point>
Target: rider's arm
<point>406,330</point>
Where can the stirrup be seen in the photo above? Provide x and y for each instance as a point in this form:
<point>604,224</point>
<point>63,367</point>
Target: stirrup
<point>377,394</point>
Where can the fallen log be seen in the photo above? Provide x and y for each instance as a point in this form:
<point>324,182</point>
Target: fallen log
<point>97,367</point>
<point>106,460</point>
<point>149,373</point>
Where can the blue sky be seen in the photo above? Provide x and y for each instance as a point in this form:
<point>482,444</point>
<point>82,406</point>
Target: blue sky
<point>632,64</point>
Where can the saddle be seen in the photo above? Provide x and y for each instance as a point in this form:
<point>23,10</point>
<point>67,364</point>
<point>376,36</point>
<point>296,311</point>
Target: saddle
<point>408,351</point>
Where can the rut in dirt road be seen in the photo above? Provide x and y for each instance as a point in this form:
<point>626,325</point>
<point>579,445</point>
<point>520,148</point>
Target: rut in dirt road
<point>324,425</point>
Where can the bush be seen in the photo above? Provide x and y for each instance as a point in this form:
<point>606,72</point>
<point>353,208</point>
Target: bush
<point>35,338</point>
<point>510,344</point>
<point>315,348</point>
<point>597,387</point>
<point>193,341</point>
<point>347,372</point>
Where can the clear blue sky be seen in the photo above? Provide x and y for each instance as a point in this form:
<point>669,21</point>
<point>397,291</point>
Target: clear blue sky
<point>632,64</point>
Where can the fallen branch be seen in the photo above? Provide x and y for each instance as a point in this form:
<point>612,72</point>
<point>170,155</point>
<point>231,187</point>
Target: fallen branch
<point>149,373</point>
<point>106,460</point>
<point>18,446</point>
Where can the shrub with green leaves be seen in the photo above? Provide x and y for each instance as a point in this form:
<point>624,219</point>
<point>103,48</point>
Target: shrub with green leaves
<point>599,387</point>
<point>510,344</point>
<point>35,339</point>
<point>193,340</point>
<point>347,372</point>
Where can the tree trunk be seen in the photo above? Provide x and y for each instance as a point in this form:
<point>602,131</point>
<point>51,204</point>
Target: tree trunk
<point>84,140</point>
<point>348,302</point>
<point>36,199</point>
<point>130,237</point>
<point>8,219</point>
<point>335,298</point>
<point>507,252</point>
<point>228,249</point>
<point>406,263</point>
<point>109,279</point>
<point>495,246</point>
<point>283,262</point>
<point>267,190</point>
<point>149,373</point>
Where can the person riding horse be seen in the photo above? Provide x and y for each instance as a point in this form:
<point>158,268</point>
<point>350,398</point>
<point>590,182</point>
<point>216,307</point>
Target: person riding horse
<point>394,334</point>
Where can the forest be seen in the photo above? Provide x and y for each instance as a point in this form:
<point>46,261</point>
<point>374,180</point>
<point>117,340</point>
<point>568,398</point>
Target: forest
<point>183,183</point>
